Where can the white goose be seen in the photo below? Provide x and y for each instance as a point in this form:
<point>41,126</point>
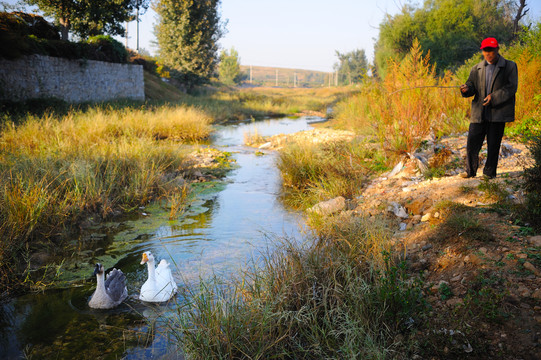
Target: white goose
<point>160,285</point>
<point>111,292</point>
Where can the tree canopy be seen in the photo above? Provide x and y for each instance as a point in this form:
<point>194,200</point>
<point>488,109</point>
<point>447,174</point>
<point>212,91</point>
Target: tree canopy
<point>89,17</point>
<point>229,68</point>
<point>451,29</point>
<point>188,32</point>
<point>352,66</point>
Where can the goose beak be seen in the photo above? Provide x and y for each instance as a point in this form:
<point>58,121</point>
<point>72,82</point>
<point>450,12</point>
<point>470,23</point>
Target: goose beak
<point>145,258</point>
<point>97,269</point>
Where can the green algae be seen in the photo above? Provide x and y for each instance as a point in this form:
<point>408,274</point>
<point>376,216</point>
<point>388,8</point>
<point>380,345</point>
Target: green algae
<point>119,239</point>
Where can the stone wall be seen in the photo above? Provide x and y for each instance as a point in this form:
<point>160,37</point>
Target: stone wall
<point>38,76</point>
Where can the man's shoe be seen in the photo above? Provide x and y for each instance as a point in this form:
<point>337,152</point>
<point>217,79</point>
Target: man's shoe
<point>465,175</point>
<point>488,177</point>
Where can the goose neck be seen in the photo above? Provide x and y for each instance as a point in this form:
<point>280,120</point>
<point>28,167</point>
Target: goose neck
<point>151,270</point>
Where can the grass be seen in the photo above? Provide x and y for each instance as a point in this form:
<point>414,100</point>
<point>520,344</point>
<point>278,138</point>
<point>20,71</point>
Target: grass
<point>329,297</point>
<point>317,172</point>
<point>459,222</point>
<point>60,163</point>
<point>55,171</point>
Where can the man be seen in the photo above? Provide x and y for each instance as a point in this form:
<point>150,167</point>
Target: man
<point>493,84</point>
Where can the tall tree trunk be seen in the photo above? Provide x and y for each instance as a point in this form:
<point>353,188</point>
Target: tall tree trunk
<point>521,12</point>
<point>64,20</point>
<point>64,28</point>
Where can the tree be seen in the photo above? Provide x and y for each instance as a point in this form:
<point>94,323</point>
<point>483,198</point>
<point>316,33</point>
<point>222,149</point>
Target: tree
<point>87,17</point>
<point>451,29</point>
<point>187,33</point>
<point>352,66</point>
<point>229,68</point>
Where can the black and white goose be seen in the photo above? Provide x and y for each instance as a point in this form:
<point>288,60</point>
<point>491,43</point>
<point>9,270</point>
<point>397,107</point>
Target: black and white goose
<point>111,292</point>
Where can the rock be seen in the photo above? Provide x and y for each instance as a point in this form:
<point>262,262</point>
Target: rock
<point>409,226</point>
<point>329,207</point>
<point>472,259</point>
<point>456,278</point>
<point>265,145</point>
<point>397,210</point>
<point>416,219</point>
<point>537,294</point>
<point>454,301</point>
<point>398,167</point>
<point>529,266</point>
<point>523,291</point>
<point>426,217</point>
<point>403,226</point>
<point>507,150</point>
<point>427,247</point>
<point>535,240</point>
<point>419,205</point>
<point>483,250</point>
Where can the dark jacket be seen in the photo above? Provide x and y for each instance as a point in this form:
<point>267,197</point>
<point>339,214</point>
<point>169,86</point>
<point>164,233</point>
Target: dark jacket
<point>503,89</point>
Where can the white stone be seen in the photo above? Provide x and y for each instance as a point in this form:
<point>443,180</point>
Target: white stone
<point>329,207</point>
<point>265,145</point>
<point>426,217</point>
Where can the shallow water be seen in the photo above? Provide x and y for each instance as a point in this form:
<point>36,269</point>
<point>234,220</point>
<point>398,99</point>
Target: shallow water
<point>227,227</point>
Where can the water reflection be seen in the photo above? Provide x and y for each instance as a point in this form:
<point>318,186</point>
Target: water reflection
<point>219,235</point>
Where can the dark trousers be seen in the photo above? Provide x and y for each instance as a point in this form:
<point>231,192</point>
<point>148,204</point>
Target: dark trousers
<point>476,135</point>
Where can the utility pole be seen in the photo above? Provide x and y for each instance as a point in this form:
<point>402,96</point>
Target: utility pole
<point>137,19</point>
<point>127,34</point>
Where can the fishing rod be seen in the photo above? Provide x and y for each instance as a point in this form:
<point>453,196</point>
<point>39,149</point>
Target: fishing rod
<point>426,86</point>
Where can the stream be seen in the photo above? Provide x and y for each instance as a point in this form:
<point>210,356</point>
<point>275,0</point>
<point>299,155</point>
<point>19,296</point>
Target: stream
<point>223,230</point>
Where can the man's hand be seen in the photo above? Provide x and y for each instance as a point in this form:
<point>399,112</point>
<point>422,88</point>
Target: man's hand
<point>464,88</point>
<point>486,100</point>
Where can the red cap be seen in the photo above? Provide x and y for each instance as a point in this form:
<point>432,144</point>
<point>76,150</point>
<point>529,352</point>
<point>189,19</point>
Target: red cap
<point>489,42</point>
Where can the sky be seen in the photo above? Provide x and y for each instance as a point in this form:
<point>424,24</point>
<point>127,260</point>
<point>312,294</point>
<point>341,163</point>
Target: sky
<point>300,34</point>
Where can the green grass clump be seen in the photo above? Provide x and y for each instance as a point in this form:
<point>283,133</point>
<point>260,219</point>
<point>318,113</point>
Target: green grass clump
<point>325,298</point>
<point>316,172</point>
<point>459,221</point>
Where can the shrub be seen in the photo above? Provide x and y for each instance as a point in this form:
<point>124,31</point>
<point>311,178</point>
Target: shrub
<point>409,104</point>
<point>106,48</point>
<point>148,63</point>
<point>532,184</point>
<point>22,24</point>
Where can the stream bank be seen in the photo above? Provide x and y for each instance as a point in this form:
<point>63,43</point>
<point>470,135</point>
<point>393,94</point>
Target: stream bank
<point>228,224</point>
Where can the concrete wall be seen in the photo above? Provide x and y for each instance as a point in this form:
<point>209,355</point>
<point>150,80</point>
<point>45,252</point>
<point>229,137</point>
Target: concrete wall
<point>38,76</point>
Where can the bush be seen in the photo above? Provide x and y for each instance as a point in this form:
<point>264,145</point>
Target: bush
<point>532,184</point>
<point>105,48</point>
<point>26,34</point>
<point>148,63</point>
<point>22,24</point>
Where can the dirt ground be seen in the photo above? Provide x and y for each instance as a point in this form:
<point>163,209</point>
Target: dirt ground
<point>480,266</point>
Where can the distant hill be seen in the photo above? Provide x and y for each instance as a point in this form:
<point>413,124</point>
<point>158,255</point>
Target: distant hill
<point>266,76</point>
